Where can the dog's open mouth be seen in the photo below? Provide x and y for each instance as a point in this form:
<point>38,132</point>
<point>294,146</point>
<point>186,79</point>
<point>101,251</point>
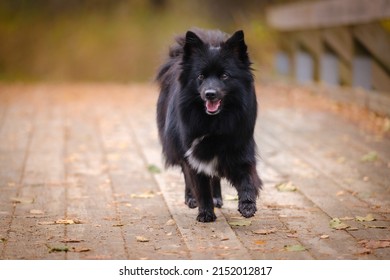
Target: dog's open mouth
<point>213,107</point>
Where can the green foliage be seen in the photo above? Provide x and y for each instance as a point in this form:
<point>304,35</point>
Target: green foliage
<point>98,40</point>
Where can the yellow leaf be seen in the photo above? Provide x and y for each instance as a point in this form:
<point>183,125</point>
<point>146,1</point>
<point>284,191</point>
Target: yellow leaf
<point>264,231</point>
<point>368,218</point>
<point>337,224</point>
<point>240,223</point>
<point>141,239</point>
<point>286,187</point>
<point>149,194</point>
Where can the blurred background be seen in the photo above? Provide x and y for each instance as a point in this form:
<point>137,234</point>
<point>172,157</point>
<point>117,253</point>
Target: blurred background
<point>343,43</point>
<point>120,41</point>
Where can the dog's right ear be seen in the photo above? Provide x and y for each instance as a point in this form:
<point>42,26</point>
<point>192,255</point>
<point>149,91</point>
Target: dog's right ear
<point>192,43</point>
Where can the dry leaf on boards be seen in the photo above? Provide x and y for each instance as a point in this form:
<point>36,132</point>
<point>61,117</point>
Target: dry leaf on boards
<point>148,194</point>
<point>375,244</point>
<point>264,231</point>
<point>240,222</point>
<point>335,223</point>
<point>367,218</point>
<point>286,187</point>
<point>294,248</point>
<point>140,238</point>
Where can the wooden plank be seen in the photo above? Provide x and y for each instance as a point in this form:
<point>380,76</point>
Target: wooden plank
<point>141,206</point>
<point>309,222</point>
<point>380,78</point>
<point>354,192</point>
<point>15,135</point>
<point>340,145</point>
<point>376,39</point>
<point>345,73</point>
<point>41,191</point>
<point>305,221</point>
<point>319,14</point>
<point>312,41</point>
<point>341,42</point>
<point>90,197</point>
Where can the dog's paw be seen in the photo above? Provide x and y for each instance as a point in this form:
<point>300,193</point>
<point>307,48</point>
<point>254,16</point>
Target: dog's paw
<point>206,216</point>
<point>247,208</point>
<point>191,202</point>
<point>217,202</point>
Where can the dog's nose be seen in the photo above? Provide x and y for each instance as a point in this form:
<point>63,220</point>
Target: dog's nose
<point>210,94</point>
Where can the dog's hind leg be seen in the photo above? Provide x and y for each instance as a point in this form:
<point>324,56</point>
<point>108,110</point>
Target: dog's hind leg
<point>217,194</point>
<point>189,198</point>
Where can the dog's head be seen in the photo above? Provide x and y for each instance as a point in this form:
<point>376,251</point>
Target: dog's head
<point>217,69</point>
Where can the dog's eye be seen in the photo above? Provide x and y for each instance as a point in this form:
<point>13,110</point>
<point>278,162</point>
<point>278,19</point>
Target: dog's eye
<point>200,77</point>
<point>224,76</point>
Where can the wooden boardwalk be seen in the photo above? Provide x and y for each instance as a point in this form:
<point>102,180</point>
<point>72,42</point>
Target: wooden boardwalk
<point>81,177</point>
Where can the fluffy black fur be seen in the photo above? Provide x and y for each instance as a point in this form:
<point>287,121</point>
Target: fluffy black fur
<point>206,115</point>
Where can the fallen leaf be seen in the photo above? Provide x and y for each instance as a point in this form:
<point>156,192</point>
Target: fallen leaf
<point>223,238</point>
<point>264,231</point>
<point>375,244</point>
<point>286,187</point>
<point>80,250</point>
<point>294,248</point>
<point>335,223</point>
<point>68,240</point>
<point>58,249</point>
<point>64,222</point>
<point>240,223</point>
<point>141,239</point>
<point>154,169</point>
<point>260,242</point>
<point>170,222</point>
<point>386,125</point>
<point>340,193</point>
<point>368,218</point>
<point>231,197</point>
<point>324,236</point>
<point>36,212</point>
<point>46,223</point>
<point>371,156</point>
<point>374,226</point>
<point>364,251</point>
<point>341,160</point>
<point>22,200</point>
<point>68,221</point>
<point>148,194</point>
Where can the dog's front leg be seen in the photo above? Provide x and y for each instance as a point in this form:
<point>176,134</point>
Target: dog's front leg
<point>204,196</point>
<point>248,186</point>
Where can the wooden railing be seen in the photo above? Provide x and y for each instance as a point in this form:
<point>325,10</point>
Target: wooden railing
<point>334,42</point>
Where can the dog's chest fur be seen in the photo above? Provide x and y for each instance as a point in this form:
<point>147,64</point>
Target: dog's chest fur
<point>206,166</point>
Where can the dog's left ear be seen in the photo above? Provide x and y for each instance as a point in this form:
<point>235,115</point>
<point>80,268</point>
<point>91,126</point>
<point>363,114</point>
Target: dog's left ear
<point>236,43</point>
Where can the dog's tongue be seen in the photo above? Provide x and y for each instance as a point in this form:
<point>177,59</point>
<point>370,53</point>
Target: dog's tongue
<point>213,106</point>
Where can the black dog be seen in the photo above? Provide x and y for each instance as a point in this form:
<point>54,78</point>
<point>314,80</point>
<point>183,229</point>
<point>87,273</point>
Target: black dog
<point>206,114</point>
